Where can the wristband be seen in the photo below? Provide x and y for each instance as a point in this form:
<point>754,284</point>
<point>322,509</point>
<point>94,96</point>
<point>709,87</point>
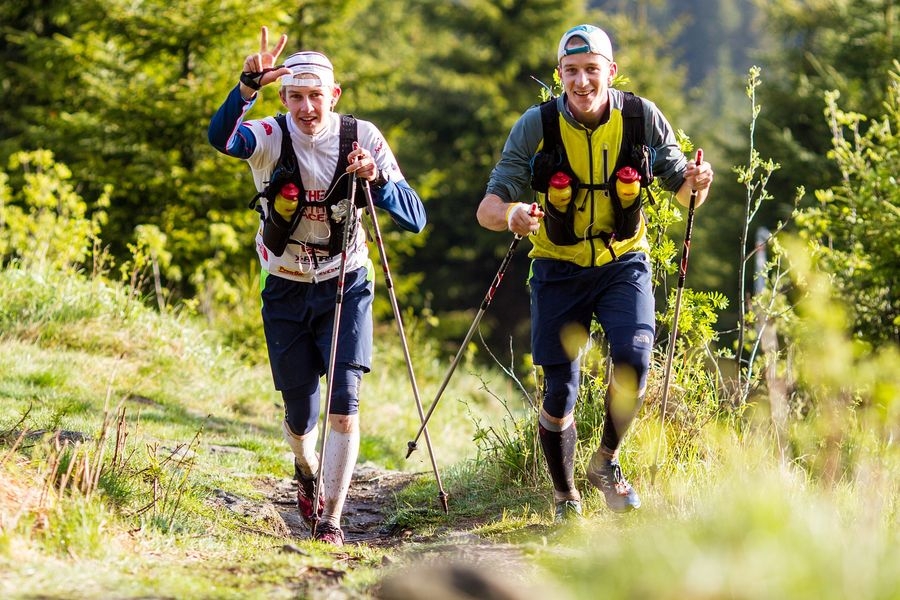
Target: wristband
<point>509,213</point>
<point>251,80</point>
<point>379,181</point>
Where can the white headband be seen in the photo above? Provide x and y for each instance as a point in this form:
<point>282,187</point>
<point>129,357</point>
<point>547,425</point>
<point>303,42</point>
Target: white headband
<point>304,64</point>
<point>291,80</point>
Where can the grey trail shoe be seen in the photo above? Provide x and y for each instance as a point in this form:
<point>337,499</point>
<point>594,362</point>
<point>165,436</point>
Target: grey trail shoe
<point>606,475</point>
<point>567,510</point>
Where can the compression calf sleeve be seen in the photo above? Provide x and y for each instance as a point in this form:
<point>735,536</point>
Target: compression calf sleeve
<point>559,451</point>
<point>341,451</point>
<point>618,420</point>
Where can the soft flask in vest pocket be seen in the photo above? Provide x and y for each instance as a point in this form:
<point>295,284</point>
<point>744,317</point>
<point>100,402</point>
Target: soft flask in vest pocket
<point>558,212</point>
<point>625,194</point>
<point>276,232</point>
<point>559,224</point>
<point>276,228</point>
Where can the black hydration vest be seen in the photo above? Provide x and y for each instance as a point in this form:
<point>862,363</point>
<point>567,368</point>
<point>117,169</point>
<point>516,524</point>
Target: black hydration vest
<point>560,225</point>
<point>276,229</point>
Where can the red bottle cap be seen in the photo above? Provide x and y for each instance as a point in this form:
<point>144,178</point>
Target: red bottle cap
<point>560,180</point>
<point>290,191</point>
<point>628,175</point>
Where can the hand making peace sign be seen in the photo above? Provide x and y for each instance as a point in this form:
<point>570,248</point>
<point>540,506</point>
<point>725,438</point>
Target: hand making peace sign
<point>259,68</point>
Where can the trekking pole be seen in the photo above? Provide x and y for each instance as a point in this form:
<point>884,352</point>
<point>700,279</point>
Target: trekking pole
<point>350,224</point>
<point>488,298</point>
<point>442,495</point>
<point>682,273</point>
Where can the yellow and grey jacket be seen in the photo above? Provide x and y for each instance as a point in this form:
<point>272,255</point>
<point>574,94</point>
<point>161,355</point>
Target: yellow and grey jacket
<point>592,155</point>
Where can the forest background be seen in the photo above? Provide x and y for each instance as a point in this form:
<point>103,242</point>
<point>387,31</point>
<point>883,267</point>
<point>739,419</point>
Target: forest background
<point>121,94</point>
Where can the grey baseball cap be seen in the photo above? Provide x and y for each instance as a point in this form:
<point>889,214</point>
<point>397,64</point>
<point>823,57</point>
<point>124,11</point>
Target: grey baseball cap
<point>595,42</point>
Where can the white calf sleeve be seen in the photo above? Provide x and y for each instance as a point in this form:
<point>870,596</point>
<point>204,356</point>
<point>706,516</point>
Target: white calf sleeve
<point>304,448</point>
<point>341,451</point>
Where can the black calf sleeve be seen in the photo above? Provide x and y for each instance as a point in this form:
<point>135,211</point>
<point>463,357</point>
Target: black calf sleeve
<point>559,450</point>
<point>610,439</point>
<point>618,420</point>
<point>302,403</point>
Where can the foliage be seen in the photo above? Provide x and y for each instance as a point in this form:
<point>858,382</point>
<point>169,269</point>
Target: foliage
<point>844,386</point>
<point>853,227</point>
<point>812,47</point>
<point>767,533</point>
<point>755,178</point>
<point>805,48</point>
<point>44,222</point>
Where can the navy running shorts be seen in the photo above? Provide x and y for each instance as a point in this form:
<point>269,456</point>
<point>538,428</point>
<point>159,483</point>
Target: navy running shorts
<point>618,295</point>
<point>298,320</point>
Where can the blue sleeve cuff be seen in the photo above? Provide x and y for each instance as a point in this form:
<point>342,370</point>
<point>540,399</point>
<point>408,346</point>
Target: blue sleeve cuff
<point>403,204</point>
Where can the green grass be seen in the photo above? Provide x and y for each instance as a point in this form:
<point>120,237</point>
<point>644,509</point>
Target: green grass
<point>196,417</point>
<point>177,417</point>
<point>752,531</point>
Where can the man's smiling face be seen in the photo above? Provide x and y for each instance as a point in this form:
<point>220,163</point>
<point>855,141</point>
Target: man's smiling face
<point>586,78</point>
<point>309,105</point>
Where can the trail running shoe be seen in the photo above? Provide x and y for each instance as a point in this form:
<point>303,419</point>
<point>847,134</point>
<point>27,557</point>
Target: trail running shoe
<point>329,533</point>
<point>567,510</point>
<point>606,475</point>
<point>306,491</point>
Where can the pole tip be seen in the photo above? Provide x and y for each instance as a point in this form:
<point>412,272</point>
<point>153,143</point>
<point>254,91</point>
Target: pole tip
<point>410,448</point>
<point>654,469</point>
<point>445,504</point>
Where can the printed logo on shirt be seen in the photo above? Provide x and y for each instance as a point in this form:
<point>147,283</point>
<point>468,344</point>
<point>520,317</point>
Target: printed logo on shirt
<point>316,195</point>
<point>267,127</point>
<point>316,213</point>
<point>287,271</point>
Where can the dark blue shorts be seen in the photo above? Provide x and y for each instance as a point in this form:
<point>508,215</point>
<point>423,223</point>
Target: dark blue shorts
<point>298,319</point>
<point>618,295</point>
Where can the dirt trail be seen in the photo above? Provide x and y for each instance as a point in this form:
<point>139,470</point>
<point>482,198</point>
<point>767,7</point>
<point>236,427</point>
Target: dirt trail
<point>450,557</point>
<point>371,495</point>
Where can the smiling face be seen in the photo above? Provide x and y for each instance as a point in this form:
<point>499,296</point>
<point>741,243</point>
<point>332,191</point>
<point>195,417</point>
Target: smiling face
<point>309,106</point>
<point>586,78</point>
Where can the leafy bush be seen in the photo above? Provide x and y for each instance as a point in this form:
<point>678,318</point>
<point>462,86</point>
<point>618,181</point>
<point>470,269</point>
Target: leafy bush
<point>855,226</point>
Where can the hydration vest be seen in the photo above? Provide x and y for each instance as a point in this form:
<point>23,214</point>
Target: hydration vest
<point>276,229</point>
<point>552,158</point>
